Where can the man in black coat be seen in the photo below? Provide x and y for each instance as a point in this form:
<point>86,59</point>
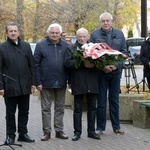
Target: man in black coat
<point>17,62</point>
<point>84,81</point>
<point>145,58</point>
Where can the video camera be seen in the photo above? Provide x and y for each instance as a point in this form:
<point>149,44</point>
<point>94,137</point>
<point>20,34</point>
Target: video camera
<point>128,62</point>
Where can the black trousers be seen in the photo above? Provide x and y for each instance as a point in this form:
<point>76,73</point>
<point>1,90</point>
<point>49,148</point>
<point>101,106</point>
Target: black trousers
<point>91,111</point>
<point>148,81</point>
<point>22,102</point>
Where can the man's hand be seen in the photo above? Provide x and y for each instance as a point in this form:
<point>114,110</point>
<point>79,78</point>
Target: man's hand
<point>109,68</point>
<point>32,89</point>
<point>113,67</point>
<point>89,65</point>
<point>39,87</point>
<point>1,92</point>
<point>69,86</point>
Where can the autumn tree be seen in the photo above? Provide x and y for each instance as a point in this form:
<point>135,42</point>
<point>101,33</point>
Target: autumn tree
<point>34,16</point>
<point>36,21</point>
<point>19,16</point>
<point>7,14</point>
<point>85,13</point>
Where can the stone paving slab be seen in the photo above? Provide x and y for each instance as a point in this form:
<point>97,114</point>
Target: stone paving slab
<point>134,138</point>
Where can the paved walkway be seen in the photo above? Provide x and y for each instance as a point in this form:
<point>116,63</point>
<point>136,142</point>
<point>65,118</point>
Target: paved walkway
<point>134,138</point>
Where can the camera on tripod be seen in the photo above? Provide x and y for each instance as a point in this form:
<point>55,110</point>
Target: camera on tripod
<point>128,66</point>
<point>128,62</point>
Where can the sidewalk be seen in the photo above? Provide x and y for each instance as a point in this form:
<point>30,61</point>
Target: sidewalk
<point>134,138</point>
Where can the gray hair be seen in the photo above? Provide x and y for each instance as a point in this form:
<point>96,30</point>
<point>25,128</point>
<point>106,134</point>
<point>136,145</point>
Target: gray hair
<point>105,14</point>
<point>54,25</point>
<point>81,29</point>
<point>11,24</point>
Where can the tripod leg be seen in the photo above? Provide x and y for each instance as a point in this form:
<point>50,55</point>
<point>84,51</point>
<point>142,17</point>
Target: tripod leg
<point>146,83</point>
<point>135,86</point>
<point>10,145</point>
<point>135,77</point>
<point>127,75</point>
<point>6,143</point>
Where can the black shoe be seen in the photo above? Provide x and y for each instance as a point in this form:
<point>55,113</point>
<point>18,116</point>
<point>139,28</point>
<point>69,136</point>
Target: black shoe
<point>10,141</point>
<point>76,137</point>
<point>25,138</point>
<point>94,136</point>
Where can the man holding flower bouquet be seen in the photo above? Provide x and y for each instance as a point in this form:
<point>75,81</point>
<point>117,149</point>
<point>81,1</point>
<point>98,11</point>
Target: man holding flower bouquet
<point>84,81</point>
<point>109,76</point>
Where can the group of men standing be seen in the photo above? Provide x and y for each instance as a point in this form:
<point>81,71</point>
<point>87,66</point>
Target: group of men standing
<point>50,70</point>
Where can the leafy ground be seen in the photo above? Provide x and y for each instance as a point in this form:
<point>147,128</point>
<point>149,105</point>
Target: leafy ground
<point>134,90</point>
<point>124,90</point>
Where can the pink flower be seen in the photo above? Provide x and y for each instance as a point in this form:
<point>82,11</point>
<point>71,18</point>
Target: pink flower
<point>99,54</point>
<point>99,49</point>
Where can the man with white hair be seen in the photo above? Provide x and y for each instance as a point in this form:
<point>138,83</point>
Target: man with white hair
<point>84,82</point>
<point>51,79</point>
<point>109,76</point>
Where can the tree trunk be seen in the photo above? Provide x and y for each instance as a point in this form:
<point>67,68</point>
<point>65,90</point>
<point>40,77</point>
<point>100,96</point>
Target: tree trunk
<point>36,21</point>
<point>20,21</point>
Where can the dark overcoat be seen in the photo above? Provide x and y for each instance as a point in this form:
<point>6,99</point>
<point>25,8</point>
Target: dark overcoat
<point>49,63</point>
<point>145,57</point>
<point>17,62</point>
<point>83,80</point>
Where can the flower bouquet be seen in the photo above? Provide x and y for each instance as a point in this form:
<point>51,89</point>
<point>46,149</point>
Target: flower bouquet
<point>99,54</point>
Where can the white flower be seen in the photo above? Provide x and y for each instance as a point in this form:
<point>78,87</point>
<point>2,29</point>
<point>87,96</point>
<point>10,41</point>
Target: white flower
<point>87,45</point>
